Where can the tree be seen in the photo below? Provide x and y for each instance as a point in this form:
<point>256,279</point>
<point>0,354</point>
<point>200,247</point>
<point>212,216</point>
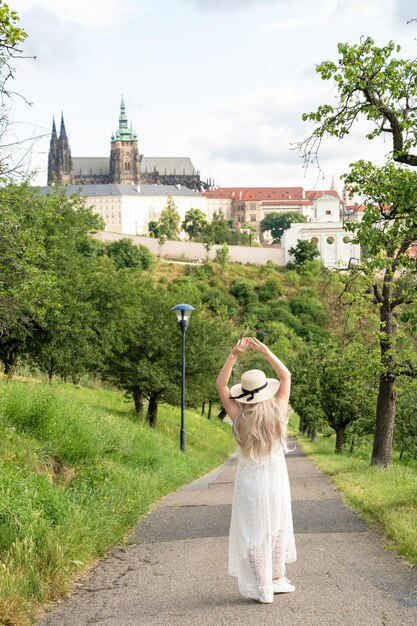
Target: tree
<point>145,357</point>
<point>219,229</point>
<point>303,252</point>
<point>346,388</point>
<point>387,278</point>
<point>373,84</point>
<point>277,223</point>
<point>154,229</point>
<point>126,254</point>
<point>194,223</point>
<point>223,257</point>
<point>305,394</point>
<point>40,236</point>
<point>406,422</point>
<point>169,222</point>
<point>11,36</point>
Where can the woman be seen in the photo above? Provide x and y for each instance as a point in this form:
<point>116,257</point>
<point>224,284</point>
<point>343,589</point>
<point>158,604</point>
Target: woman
<point>261,539</point>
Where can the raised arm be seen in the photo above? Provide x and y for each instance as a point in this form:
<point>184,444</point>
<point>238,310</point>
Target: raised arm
<point>223,378</point>
<point>283,373</point>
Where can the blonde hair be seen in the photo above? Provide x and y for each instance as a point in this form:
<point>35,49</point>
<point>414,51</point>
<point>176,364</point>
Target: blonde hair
<point>258,426</point>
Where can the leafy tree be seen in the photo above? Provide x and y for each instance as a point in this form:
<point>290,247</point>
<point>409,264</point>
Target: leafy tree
<point>277,223</point>
<point>126,254</point>
<point>169,222</point>
<point>405,436</point>
<point>305,393</point>
<point>42,235</point>
<point>154,229</point>
<point>195,223</point>
<point>386,277</point>
<point>223,257</point>
<point>145,358</point>
<point>374,84</point>
<point>303,252</point>
<point>219,229</point>
<point>346,388</point>
<point>11,36</point>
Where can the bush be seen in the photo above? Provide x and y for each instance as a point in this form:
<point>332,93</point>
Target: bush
<point>308,308</point>
<point>220,303</point>
<point>243,290</point>
<point>270,290</point>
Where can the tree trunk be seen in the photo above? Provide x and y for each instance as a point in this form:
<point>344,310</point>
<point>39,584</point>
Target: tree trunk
<point>385,421</point>
<point>340,439</point>
<point>138,400</point>
<point>386,402</point>
<point>222,414</point>
<point>9,367</point>
<point>301,424</point>
<point>203,408</point>
<point>209,409</point>
<point>152,412</point>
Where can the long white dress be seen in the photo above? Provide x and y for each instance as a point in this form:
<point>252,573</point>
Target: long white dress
<point>261,538</point>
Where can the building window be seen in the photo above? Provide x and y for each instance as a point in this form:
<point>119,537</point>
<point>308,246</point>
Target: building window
<point>252,206</point>
<point>127,165</point>
<point>346,239</point>
<point>253,218</point>
<point>330,240</point>
<point>328,212</point>
<point>314,240</point>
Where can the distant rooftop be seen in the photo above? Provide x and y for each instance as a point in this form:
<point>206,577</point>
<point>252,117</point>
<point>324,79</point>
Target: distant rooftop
<point>166,166</point>
<point>124,190</point>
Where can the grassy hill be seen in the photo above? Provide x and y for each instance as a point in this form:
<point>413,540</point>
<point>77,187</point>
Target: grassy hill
<point>77,469</point>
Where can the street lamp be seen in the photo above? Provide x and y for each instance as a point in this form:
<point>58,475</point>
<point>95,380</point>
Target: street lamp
<point>183,313</point>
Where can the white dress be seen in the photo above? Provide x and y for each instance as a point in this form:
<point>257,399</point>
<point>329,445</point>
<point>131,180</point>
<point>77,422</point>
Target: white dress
<point>261,538</point>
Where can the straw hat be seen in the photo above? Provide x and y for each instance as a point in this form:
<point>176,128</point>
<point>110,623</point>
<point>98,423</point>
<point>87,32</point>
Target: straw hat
<point>254,387</point>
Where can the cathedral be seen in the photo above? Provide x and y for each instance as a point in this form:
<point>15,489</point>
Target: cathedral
<point>125,165</point>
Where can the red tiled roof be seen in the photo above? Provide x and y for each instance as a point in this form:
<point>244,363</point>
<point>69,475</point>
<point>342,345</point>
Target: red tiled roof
<point>313,194</point>
<point>244,194</point>
<point>256,193</point>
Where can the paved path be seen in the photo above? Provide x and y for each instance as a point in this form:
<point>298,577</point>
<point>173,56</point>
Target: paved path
<point>175,571</point>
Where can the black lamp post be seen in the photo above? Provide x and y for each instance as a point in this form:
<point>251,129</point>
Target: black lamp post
<point>183,313</point>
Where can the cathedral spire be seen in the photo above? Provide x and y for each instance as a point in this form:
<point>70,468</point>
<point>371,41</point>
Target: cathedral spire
<point>62,132</point>
<point>124,133</point>
<point>54,136</point>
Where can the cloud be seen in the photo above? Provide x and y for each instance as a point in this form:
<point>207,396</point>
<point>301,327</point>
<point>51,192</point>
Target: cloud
<point>89,14</point>
<point>52,41</point>
<point>405,10</point>
<point>231,5</point>
<point>256,128</point>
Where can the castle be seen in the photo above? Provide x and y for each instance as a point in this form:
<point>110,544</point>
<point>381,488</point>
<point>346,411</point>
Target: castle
<point>125,165</point>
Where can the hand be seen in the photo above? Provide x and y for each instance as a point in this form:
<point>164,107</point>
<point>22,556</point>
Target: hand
<point>258,346</point>
<point>241,346</point>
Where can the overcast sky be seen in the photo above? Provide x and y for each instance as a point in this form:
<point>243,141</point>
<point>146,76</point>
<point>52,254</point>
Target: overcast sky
<point>224,82</point>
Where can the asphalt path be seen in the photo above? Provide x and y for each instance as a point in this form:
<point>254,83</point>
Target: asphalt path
<point>174,571</point>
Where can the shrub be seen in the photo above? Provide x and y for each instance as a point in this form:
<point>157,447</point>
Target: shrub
<point>270,290</point>
<point>220,303</point>
<point>243,290</point>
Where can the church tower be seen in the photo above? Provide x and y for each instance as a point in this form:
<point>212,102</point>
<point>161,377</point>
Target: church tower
<point>124,153</point>
<point>60,168</point>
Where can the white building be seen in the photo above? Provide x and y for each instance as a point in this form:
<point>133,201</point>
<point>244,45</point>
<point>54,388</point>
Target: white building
<point>128,209</point>
<point>333,243</point>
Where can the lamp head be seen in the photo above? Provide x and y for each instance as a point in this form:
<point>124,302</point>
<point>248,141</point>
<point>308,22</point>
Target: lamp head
<point>183,313</point>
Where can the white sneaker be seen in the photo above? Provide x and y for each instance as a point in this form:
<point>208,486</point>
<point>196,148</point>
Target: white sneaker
<point>265,596</point>
<point>283,585</point>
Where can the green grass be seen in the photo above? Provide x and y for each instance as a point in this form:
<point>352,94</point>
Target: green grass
<point>386,498</point>
<point>77,470</point>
